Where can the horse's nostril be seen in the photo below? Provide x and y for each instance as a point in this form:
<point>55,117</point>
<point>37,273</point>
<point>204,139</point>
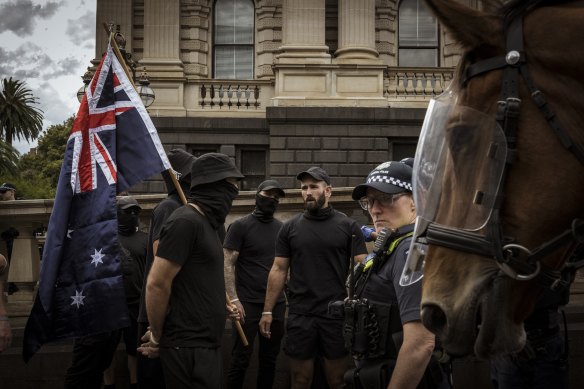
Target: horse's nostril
<point>433,318</point>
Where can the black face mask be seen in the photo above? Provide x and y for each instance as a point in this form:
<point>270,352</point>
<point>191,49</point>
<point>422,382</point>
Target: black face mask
<point>127,223</point>
<point>215,199</point>
<point>265,208</point>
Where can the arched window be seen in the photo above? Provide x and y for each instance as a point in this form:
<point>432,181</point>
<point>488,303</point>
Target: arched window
<point>418,35</point>
<point>233,48</point>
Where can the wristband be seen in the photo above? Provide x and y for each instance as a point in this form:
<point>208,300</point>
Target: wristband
<point>152,341</point>
<point>233,300</point>
<point>266,313</point>
<point>3,318</point>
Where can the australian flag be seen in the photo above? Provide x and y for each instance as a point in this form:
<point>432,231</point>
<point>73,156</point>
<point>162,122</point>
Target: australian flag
<point>113,145</point>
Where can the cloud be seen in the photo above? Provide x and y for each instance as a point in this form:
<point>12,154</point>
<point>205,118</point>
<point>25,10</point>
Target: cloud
<point>20,16</point>
<point>65,67</point>
<point>81,29</point>
<point>26,61</point>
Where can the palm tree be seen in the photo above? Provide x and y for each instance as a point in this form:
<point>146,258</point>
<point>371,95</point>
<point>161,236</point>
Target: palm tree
<point>19,118</point>
<point>8,159</point>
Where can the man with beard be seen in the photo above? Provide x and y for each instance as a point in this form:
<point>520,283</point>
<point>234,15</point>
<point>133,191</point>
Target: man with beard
<point>249,254</point>
<point>316,247</point>
<point>185,291</point>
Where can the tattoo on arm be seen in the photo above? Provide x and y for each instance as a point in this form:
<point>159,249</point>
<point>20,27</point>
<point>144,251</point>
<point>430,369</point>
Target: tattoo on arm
<point>230,258</point>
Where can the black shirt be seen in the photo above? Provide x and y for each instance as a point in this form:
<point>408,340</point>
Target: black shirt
<point>159,215</point>
<point>196,316</point>
<point>256,243</point>
<point>319,252</point>
<point>383,285</point>
<point>136,246</point>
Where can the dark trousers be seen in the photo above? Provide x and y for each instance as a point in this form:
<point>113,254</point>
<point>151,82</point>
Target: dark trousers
<point>268,348</point>
<point>148,371</point>
<point>540,365</point>
<point>92,355</point>
<point>192,367</point>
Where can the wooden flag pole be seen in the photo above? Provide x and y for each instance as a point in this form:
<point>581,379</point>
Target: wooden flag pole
<point>171,172</point>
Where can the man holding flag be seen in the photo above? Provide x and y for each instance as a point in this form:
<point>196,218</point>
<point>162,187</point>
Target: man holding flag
<point>186,288</point>
<point>112,146</point>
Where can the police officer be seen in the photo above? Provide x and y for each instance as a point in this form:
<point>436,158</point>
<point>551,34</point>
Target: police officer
<point>387,339</point>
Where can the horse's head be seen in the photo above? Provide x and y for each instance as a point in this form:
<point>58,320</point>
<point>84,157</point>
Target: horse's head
<point>496,196</point>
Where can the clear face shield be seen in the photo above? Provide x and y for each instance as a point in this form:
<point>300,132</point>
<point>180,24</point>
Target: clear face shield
<point>458,167</point>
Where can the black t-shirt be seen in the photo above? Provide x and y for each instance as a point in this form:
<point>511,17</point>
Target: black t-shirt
<point>256,243</point>
<point>133,264</point>
<point>319,252</point>
<point>383,285</point>
<point>196,316</point>
<point>159,215</point>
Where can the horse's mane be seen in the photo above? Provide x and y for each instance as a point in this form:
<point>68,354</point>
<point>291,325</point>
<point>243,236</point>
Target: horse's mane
<point>514,8</point>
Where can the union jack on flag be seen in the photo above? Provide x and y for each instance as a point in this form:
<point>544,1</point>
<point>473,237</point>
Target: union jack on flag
<point>113,145</point>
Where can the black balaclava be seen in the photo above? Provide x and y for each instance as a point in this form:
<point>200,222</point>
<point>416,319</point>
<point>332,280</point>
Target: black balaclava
<point>215,199</point>
<point>265,208</point>
<point>128,221</point>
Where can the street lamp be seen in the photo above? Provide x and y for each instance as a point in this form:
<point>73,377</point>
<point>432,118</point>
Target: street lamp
<point>86,80</point>
<point>143,83</point>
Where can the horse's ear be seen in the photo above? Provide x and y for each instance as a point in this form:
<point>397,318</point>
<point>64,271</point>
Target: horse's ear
<point>470,27</point>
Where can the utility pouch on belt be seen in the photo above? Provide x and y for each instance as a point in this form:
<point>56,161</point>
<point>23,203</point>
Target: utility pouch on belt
<point>371,376</point>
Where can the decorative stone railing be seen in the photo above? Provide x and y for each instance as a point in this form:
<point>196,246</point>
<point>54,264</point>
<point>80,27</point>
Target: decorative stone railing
<point>232,94</point>
<point>407,84</point>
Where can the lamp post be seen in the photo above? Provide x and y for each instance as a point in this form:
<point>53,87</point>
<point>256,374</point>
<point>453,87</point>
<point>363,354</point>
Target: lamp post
<point>143,82</point>
<point>86,80</point>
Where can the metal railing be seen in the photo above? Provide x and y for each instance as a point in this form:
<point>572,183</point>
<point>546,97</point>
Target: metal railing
<point>416,83</point>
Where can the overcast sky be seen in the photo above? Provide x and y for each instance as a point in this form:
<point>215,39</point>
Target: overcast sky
<point>48,45</point>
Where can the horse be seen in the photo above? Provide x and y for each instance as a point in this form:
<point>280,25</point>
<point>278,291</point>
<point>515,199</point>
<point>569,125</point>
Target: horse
<point>513,129</point>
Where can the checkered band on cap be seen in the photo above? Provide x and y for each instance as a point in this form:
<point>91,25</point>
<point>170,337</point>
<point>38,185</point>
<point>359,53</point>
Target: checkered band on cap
<point>380,177</point>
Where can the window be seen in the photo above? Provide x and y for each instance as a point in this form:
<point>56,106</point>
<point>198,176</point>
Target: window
<point>417,35</point>
<point>197,151</point>
<point>234,39</point>
<point>253,166</point>
<point>401,148</point>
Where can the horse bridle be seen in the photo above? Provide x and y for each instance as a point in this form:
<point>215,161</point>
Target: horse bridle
<point>494,245</point>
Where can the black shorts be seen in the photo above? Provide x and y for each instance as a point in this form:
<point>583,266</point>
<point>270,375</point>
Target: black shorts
<point>130,334</point>
<point>307,336</point>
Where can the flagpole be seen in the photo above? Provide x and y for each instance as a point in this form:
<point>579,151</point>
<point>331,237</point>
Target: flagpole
<point>171,172</point>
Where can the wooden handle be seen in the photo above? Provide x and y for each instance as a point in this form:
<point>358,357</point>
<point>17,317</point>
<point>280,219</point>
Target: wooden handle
<point>238,325</point>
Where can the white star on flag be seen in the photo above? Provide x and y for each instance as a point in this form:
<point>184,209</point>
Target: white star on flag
<point>69,233</point>
<point>97,256</point>
<point>78,298</point>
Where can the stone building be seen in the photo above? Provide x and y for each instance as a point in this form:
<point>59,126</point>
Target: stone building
<point>280,85</point>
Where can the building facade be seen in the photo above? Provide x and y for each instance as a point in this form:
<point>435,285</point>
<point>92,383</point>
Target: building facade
<point>281,85</point>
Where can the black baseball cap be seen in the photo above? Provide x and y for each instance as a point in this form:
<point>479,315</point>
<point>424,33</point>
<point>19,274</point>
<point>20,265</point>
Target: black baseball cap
<point>389,177</point>
<point>6,187</point>
<point>125,202</point>
<point>213,167</point>
<point>271,184</point>
<point>317,173</point>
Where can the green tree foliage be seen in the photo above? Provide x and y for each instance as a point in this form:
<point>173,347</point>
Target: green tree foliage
<point>19,118</point>
<point>8,159</point>
<point>39,170</point>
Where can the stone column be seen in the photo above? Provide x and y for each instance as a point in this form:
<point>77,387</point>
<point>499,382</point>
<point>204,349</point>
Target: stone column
<point>161,38</point>
<point>303,25</point>
<point>120,13</point>
<point>357,30</point>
